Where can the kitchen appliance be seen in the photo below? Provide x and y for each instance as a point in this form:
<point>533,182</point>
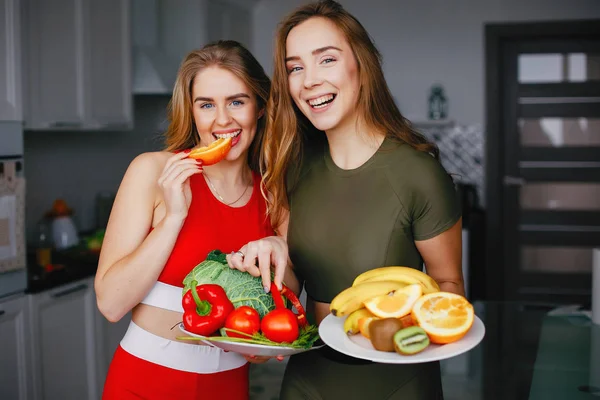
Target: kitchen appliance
<point>64,232</point>
<point>13,274</point>
<point>12,214</point>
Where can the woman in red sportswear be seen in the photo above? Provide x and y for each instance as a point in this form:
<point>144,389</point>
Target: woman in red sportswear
<point>169,212</point>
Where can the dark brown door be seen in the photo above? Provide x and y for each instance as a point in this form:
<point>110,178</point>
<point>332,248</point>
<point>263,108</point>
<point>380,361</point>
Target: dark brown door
<point>544,161</point>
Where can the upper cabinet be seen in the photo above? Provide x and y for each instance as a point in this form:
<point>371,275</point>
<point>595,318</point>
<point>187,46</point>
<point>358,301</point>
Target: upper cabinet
<point>110,64</point>
<point>78,64</point>
<point>10,61</point>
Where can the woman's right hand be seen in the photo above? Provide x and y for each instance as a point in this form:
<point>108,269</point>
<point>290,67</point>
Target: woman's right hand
<point>258,256</point>
<point>175,184</point>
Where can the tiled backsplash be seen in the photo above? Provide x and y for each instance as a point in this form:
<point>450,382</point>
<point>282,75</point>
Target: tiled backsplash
<point>462,151</point>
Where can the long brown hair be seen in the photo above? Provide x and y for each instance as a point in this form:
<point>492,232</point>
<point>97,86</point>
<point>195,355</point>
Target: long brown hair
<point>232,56</point>
<point>287,128</point>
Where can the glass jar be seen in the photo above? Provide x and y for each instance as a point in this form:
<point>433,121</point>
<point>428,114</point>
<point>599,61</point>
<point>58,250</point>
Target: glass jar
<point>438,103</point>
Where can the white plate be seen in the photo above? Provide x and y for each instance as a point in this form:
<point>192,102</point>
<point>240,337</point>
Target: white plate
<point>249,349</point>
<point>332,333</point>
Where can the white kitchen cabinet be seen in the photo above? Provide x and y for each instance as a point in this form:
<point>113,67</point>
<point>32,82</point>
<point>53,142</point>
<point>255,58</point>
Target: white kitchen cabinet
<point>11,107</point>
<point>110,65</point>
<point>15,355</point>
<point>63,340</point>
<point>77,64</point>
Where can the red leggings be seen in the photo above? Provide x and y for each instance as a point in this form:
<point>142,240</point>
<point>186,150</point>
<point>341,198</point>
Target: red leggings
<point>130,377</point>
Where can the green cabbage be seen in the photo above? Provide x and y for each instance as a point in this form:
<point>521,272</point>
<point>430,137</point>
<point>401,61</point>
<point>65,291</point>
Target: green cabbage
<point>241,287</point>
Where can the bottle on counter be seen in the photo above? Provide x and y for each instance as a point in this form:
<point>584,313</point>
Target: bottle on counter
<point>43,243</point>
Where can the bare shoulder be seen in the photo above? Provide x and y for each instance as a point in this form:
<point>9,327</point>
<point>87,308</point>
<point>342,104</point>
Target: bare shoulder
<point>150,164</point>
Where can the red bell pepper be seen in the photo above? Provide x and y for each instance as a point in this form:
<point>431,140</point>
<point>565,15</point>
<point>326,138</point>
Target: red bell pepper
<point>287,292</point>
<point>205,308</point>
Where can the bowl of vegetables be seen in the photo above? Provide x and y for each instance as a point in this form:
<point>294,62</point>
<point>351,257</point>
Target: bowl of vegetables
<point>229,309</point>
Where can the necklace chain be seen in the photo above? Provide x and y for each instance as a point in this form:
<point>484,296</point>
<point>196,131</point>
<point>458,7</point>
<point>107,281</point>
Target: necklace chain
<point>214,189</point>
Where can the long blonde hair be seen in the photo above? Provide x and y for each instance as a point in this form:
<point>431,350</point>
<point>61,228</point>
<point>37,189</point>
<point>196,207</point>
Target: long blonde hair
<point>288,129</point>
<point>227,54</point>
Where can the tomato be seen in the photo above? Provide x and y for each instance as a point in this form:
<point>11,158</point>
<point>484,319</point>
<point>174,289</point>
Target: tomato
<point>244,319</point>
<point>212,153</point>
<point>280,325</point>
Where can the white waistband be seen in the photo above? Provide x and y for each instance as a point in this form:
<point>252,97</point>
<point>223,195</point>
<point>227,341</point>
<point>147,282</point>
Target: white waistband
<point>166,296</point>
<point>178,355</point>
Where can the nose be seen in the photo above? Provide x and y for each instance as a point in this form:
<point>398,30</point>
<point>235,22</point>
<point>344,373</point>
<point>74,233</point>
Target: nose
<point>223,116</point>
<point>311,77</point>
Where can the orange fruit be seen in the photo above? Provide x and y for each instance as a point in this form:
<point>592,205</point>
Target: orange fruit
<point>363,326</point>
<point>397,304</point>
<point>446,317</point>
<point>59,209</point>
<point>407,321</point>
<point>213,153</point>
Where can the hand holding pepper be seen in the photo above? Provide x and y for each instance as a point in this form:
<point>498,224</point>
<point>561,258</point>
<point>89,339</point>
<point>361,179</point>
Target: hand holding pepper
<point>205,308</point>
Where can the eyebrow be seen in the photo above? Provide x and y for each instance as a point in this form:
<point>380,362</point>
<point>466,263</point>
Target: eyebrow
<point>233,97</point>
<point>315,52</point>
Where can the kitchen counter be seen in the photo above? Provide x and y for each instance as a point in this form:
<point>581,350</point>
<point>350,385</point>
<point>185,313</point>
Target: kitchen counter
<point>13,282</point>
<point>67,266</point>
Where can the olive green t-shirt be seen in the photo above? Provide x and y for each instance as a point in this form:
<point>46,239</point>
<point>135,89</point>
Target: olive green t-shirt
<point>345,222</point>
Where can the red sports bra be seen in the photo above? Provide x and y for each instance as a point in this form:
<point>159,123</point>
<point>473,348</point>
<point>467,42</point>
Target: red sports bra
<point>212,225</point>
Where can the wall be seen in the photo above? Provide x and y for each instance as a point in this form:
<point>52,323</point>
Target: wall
<point>429,41</point>
<point>77,165</point>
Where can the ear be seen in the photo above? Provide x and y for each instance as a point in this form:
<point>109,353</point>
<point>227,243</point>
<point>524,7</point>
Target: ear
<point>261,113</point>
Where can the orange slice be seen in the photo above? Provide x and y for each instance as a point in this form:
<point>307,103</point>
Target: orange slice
<point>446,317</point>
<point>213,153</point>
<point>363,326</point>
<point>396,305</point>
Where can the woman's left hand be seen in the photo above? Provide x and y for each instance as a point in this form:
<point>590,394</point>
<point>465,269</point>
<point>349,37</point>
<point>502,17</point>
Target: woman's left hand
<point>257,257</point>
<point>261,359</point>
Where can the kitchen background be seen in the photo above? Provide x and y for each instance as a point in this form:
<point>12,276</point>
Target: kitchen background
<point>84,86</point>
<point>443,40</point>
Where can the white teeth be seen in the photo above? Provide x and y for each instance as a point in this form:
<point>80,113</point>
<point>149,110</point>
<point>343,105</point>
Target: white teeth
<point>318,102</point>
<point>227,135</point>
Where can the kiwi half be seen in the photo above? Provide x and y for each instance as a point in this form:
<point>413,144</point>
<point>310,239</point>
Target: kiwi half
<point>382,333</point>
<point>411,340</point>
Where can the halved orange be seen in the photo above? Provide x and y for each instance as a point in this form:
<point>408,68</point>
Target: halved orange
<point>213,153</point>
<point>397,304</point>
<point>446,317</point>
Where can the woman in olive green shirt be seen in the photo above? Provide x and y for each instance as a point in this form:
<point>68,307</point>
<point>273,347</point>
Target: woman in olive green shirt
<point>352,187</point>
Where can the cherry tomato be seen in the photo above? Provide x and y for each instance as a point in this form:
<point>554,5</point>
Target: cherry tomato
<point>244,319</point>
<point>280,326</point>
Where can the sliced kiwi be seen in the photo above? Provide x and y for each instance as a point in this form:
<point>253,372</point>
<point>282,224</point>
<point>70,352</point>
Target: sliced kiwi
<point>381,332</point>
<point>411,340</point>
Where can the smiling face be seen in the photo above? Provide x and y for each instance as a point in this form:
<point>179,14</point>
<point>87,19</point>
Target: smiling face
<point>224,106</point>
<point>323,74</point>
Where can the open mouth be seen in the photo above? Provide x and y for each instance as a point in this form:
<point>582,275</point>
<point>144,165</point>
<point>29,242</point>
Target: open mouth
<point>322,101</point>
<point>233,134</point>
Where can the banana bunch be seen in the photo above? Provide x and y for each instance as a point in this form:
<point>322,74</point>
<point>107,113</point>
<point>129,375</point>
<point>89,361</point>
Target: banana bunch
<point>352,298</point>
<point>403,275</point>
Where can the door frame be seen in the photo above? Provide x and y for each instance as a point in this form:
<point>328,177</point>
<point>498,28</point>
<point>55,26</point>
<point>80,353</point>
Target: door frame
<point>498,39</point>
